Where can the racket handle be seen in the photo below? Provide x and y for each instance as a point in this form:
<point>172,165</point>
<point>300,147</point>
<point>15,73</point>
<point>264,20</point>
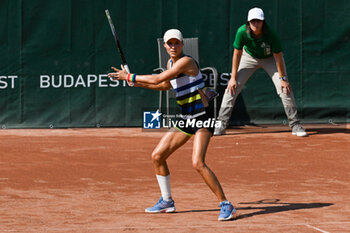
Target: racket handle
<point>126,67</point>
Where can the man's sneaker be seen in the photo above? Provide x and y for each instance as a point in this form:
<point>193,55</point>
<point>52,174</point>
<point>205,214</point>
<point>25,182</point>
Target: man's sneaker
<point>162,207</point>
<point>227,211</point>
<point>299,131</point>
<point>219,131</point>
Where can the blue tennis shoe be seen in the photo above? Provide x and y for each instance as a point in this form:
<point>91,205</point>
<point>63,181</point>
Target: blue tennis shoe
<point>227,211</point>
<point>162,207</point>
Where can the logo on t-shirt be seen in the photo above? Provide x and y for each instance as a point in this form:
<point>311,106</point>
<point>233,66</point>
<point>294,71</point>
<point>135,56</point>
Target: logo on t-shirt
<point>266,47</point>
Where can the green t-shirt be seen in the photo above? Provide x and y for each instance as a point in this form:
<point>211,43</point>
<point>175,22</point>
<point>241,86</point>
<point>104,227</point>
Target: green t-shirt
<point>259,48</point>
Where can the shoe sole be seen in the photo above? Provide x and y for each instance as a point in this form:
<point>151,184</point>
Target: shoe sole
<point>219,134</point>
<point>167,210</point>
<point>232,215</point>
<point>300,134</point>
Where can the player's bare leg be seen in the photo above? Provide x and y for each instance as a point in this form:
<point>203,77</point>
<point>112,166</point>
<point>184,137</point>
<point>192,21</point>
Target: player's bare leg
<point>200,145</point>
<point>169,143</point>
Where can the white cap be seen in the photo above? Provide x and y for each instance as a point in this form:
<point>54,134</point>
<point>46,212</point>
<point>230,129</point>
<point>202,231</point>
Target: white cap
<point>172,34</point>
<point>256,13</point>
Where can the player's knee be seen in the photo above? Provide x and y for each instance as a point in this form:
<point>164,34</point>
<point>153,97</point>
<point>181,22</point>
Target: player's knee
<point>198,165</point>
<point>157,157</point>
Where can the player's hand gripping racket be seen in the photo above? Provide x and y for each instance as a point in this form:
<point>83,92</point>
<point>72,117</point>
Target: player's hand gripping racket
<point>116,39</point>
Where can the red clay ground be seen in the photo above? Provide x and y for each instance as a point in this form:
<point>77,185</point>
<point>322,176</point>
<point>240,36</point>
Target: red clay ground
<point>101,180</point>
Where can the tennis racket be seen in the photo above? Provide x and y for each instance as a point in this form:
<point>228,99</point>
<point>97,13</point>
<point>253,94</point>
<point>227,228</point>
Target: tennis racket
<point>125,64</point>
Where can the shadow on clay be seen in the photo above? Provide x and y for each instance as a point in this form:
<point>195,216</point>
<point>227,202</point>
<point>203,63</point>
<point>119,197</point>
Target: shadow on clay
<point>270,206</point>
<point>266,206</point>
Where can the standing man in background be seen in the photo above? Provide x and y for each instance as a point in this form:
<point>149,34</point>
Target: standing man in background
<point>257,45</point>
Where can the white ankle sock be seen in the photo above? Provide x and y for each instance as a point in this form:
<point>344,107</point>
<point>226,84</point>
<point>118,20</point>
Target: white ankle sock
<point>164,185</point>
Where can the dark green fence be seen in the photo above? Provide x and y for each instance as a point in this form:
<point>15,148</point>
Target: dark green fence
<point>55,56</point>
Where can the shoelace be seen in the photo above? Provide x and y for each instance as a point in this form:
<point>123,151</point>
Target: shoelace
<point>163,203</point>
<point>224,208</point>
<point>160,202</point>
<point>298,127</point>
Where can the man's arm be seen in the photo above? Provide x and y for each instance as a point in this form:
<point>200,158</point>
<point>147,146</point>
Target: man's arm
<point>282,72</point>
<point>236,59</point>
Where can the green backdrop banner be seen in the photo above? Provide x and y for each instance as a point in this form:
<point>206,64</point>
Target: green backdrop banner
<point>56,56</point>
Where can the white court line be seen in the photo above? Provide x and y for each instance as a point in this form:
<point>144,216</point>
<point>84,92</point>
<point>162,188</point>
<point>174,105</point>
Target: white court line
<point>317,229</point>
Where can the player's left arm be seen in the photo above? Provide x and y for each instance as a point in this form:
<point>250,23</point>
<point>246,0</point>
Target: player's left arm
<point>163,86</point>
<point>184,65</point>
<point>282,72</point>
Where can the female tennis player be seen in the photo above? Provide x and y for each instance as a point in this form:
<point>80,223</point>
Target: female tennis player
<point>184,76</point>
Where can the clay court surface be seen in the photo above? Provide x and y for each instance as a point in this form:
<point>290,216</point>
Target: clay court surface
<point>101,180</point>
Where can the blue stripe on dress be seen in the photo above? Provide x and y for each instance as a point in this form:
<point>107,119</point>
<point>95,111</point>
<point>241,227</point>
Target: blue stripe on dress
<point>199,81</point>
<point>190,109</point>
